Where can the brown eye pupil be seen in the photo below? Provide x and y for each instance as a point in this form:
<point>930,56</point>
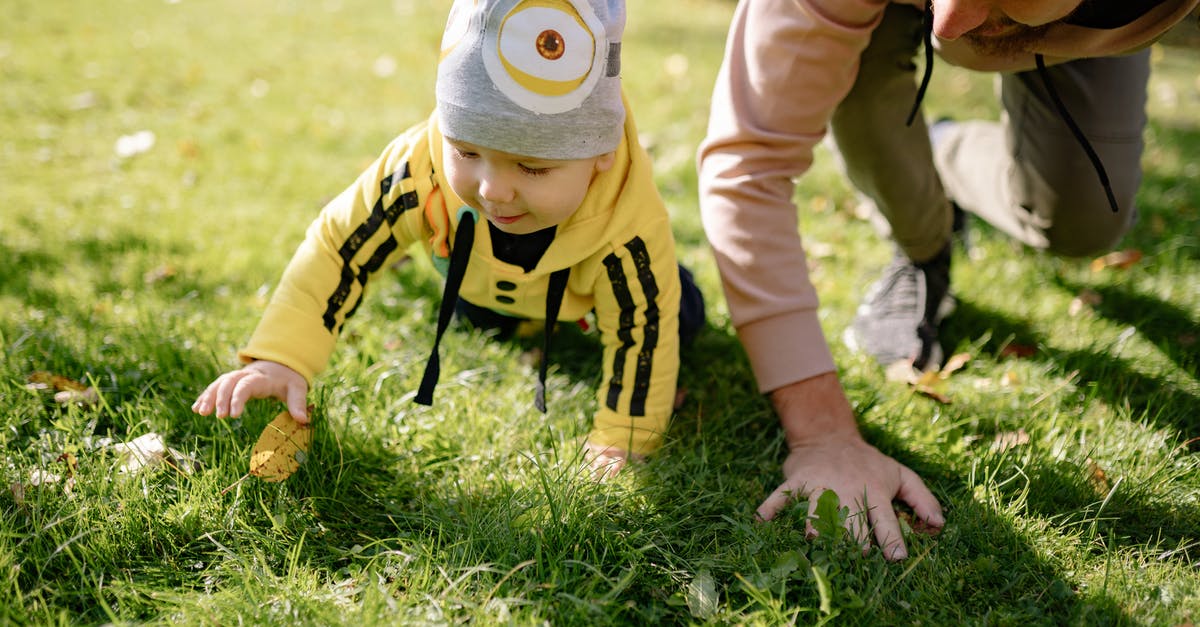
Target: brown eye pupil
<point>550,44</point>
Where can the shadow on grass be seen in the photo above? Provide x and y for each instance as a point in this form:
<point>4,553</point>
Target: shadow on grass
<point>625,552</point>
<point>1173,330</point>
<point>1111,379</point>
<point>1063,491</point>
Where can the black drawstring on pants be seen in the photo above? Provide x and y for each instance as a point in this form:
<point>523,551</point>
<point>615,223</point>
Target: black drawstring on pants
<point>927,38</point>
<point>1097,165</point>
<point>1076,132</point>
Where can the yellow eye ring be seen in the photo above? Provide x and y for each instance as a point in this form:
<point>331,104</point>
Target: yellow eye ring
<point>545,54</point>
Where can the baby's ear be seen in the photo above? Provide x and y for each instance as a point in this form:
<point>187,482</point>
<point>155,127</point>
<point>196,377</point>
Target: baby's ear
<point>605,161</point>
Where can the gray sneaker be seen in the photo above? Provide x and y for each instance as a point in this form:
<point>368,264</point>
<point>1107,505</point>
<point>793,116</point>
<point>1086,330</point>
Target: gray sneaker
<point>899,318</point>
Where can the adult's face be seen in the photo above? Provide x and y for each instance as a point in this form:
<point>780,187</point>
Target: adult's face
<point>998,26</point>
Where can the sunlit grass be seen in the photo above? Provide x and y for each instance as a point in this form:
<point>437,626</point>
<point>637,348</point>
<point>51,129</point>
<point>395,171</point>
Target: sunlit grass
<point>1069,474</point>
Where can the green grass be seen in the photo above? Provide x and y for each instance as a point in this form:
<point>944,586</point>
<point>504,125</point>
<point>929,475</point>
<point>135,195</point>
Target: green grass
<point>141,276</point>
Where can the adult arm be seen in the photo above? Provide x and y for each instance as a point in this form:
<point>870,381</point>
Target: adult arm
<point>788,64</point>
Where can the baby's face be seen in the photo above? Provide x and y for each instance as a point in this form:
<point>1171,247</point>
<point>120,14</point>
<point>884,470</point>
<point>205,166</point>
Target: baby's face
<point>519,194</point>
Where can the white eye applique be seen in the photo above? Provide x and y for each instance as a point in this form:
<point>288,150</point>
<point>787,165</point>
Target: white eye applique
<point>546,55</point>
<point>456,25</point>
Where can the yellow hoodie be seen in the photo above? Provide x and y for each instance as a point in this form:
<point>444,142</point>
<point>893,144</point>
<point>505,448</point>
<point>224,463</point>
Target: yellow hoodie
<point>618,246</point>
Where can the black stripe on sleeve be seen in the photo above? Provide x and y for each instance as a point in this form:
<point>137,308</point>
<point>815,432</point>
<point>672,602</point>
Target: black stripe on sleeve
<point>620,287</point>
<point>379,216</point>
<point>645,357</point>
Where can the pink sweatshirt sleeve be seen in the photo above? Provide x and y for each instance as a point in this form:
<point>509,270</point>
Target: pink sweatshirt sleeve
<point>788,63</point>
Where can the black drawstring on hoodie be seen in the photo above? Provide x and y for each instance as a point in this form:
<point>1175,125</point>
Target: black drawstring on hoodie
<point>554,296</point>
<point>1097,164</point>
<point>460,255</point>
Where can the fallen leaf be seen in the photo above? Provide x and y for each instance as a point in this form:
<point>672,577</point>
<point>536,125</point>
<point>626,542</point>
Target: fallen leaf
<point>70,461</point>
<point>1086,299</point>
<point>1096,476</point>
<point>703,600</point>
<point>1009,439</point>
<point>43,380</point>
<point>1019,351</point>
<point>280,449</point>
<point>680,397</point>
<point>917,524</point>
<point>150,451</point>
<point>1119,259</point>
<point>932,393</point>
<point>39,478</point>
<point>955,363</point>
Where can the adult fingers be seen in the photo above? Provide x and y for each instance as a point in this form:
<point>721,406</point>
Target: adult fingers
<point>887,532</point>
<point>775,502</point>
<point>923,503</point>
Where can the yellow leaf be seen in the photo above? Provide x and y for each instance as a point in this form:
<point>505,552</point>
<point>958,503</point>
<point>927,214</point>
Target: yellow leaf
<point>955,363</point>
<point>280,449</point>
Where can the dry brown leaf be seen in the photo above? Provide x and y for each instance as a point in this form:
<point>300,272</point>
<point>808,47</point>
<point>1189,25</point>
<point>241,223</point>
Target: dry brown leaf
<point>1009,439</point>
<point>1086,299</point>
<point>280,449</point>
<point>1096,476</point>
<point>70,461</point>
<point>43,380</point>
<point>680,397</point>
<point>932,393</point>
<point>1019,351</point>
<point>1119,259</point>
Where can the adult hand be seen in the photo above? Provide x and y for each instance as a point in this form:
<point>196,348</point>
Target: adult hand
<point>826,452</point>
<point>227,395</point>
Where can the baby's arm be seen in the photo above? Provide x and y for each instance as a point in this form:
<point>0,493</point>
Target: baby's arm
<point>227,395</point>
<point>637,312</point>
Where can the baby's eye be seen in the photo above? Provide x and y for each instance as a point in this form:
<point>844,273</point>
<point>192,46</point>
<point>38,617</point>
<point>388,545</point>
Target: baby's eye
<point>464,154</point>
<point>532,171</point>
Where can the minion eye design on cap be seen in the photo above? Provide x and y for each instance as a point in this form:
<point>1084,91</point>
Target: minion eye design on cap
<point>544,55</point>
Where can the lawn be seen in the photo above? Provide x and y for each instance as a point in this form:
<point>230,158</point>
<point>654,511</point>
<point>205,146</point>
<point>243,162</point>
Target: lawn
<point>159,161</point>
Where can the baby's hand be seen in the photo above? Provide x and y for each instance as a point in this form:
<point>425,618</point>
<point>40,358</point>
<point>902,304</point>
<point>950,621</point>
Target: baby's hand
<point>606,461</point>
<point>227,395</point>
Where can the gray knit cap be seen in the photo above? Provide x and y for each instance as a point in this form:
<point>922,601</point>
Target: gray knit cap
<point>533,77</point>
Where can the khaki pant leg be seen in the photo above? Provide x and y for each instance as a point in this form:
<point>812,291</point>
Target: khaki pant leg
<point>889,162</point>
<point>1028,176</point>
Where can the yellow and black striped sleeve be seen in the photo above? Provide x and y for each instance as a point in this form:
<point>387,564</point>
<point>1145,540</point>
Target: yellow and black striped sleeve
<point>359,232</point>
<point>637,312</point>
